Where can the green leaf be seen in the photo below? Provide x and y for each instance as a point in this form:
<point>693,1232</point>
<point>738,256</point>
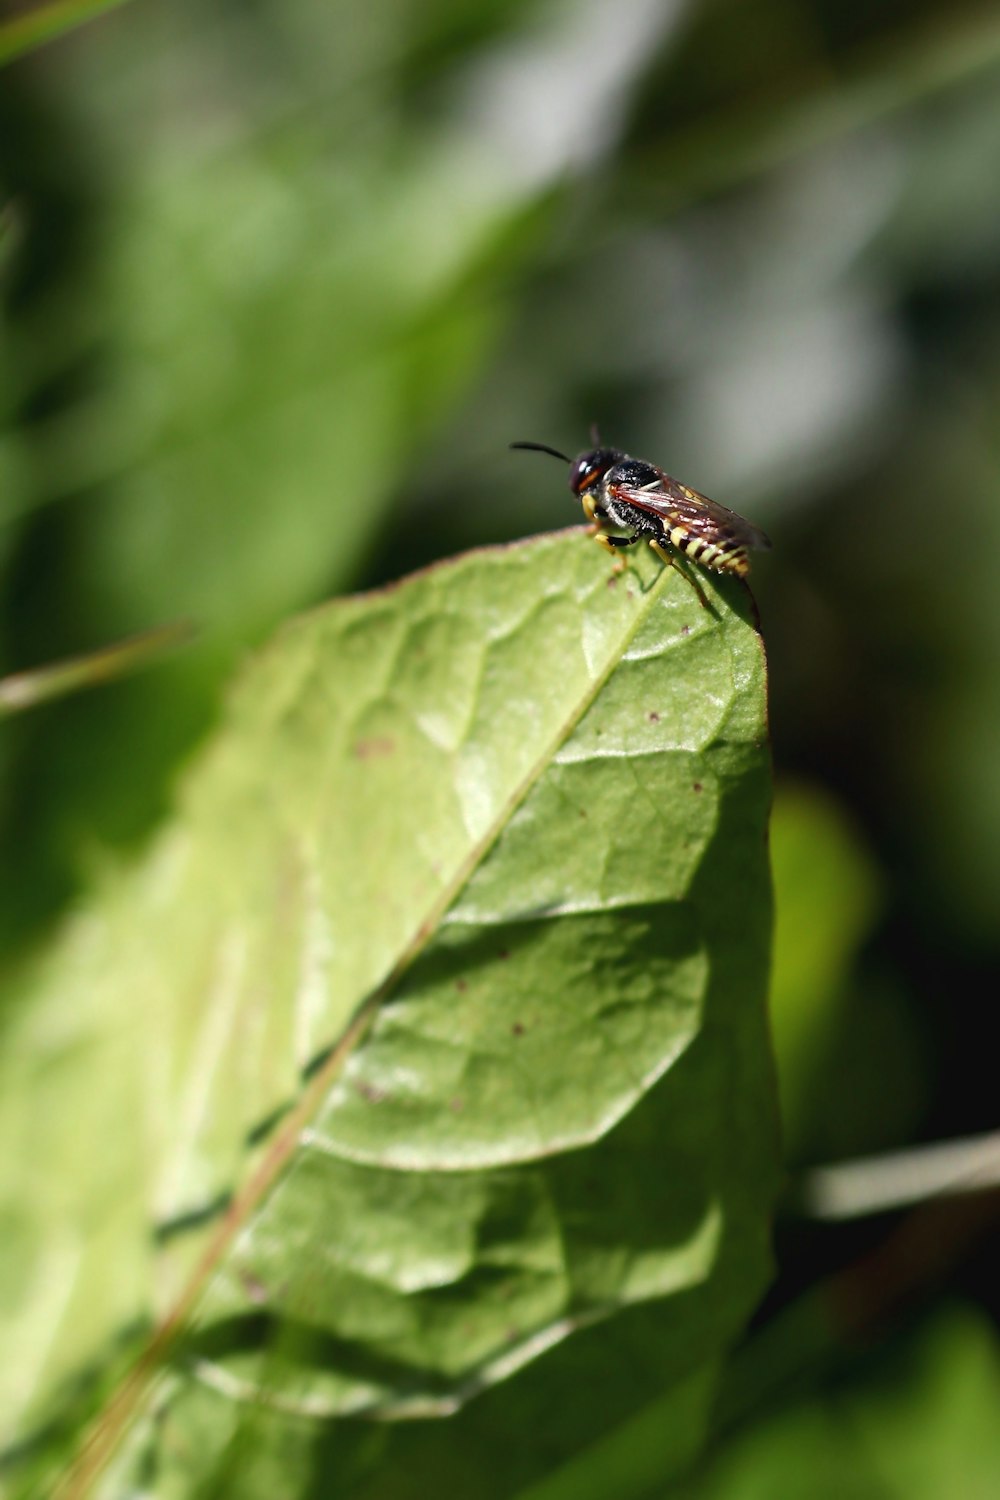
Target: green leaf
<point>448,980</point>
<point>916,1417</point>
<point>827,898</point>
<point>835,1015</point>
<point>250,369</point>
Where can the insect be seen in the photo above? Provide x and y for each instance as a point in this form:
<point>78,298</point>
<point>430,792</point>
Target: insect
<point>652,506</point>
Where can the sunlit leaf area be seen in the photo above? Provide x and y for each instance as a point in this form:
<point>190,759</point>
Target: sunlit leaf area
<point>480,1017</point>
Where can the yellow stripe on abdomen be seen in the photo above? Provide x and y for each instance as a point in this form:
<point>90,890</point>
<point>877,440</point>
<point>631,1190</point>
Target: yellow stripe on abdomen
<point>721,559</point>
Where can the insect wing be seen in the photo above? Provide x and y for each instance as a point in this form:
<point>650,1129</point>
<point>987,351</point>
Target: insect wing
<point>675,504</point>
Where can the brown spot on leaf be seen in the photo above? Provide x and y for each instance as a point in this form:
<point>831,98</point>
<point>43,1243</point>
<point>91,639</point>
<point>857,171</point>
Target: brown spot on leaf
<point>696,786</point>
<point>253,1286</point>
<point>518,1028</point>
<point>376,747</point>
<point>504,954</point>
<point>461,985</point>
<point>653,717</point>
<point>370,1092</point>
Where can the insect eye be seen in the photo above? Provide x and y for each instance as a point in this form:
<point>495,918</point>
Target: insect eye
<point>582,473</point>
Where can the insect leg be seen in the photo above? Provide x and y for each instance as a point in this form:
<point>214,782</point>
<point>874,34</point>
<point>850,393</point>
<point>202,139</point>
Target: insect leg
<point>612,544</point>
<point>592,510</point>
<point>671,561</point>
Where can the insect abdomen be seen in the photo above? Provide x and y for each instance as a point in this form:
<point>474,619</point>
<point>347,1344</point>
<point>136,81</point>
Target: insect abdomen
<point>720,556</point>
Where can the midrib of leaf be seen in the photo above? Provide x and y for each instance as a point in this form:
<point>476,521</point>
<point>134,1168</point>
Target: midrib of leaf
<point>110,1426</point>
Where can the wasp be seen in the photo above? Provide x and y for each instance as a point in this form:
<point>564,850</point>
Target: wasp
<point>652,506</point>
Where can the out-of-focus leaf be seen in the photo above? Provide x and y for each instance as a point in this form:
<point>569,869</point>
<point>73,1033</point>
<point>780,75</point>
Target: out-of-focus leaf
<point>267,388</point>
<point>920,1421</point>
<point>826,898</point>
<point>514,811</point>
<point>23,690</point>
<point>44,23</point>
<point>286,289</point>
<point>931,1427</point>
<point>907,65</point>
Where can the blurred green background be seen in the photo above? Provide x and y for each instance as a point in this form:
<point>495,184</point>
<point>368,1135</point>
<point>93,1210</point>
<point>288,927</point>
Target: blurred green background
<point>282,281</point>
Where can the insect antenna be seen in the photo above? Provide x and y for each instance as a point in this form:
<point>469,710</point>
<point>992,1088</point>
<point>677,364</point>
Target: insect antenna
<point>543,448</point>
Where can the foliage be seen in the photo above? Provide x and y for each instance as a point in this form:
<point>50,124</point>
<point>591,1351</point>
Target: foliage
<point>498,834</point>
<point>916,1420</point>
<point>280,283</point>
